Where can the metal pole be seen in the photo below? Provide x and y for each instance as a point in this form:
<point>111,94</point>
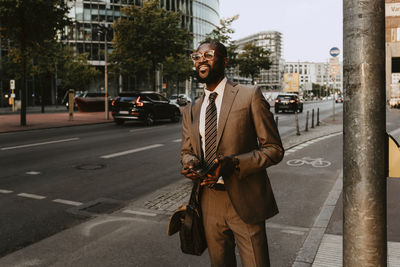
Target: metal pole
<point>334,99</point>
<point>307,121</point>
<point>364,145</point>
<point>312,119</point>
<point>317,116</point>
<point>297,123</point>
<point>105,73</point>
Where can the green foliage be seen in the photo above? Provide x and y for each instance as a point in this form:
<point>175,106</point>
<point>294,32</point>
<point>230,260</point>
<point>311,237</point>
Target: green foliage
<point>252,60</point>
<point>223,34</point>
<point>75,71</point>
<point>30,22</point>
<point>177,68</point>
<point>145,37</point>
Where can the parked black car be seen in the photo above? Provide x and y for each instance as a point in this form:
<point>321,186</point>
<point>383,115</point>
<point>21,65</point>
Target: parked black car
<point>288,102</point>
<point>144,106</point>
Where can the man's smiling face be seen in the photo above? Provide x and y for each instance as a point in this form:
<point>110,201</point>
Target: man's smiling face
<point>211,70</point>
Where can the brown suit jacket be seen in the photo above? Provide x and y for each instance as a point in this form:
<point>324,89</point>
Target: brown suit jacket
<point>246,129</point>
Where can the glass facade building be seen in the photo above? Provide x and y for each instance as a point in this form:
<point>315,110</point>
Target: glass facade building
<point>89,16</point>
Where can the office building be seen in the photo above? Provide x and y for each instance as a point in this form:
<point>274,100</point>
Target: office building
<point>317,73</point>
<point>272,78</point>
<point>85,35</point>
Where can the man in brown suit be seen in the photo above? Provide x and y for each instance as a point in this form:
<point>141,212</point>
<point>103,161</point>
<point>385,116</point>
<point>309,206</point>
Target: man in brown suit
<point>231,126</point>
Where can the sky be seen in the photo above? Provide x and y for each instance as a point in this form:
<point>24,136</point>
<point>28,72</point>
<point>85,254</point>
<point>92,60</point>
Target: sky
<point>310,28</point>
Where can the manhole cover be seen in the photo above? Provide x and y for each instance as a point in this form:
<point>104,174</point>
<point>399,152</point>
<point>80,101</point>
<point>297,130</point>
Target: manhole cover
<point>91,167</point>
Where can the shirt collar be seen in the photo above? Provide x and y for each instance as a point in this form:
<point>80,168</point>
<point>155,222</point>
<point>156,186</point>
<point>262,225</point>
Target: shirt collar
<point>219,89</point>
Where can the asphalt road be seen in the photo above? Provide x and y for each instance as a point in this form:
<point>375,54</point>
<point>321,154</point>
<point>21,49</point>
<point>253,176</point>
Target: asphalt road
<point>287,122</point>
<point>57,169</point>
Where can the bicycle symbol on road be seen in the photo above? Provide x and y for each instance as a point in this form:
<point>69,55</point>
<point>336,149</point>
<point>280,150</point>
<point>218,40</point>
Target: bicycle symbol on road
<point>317,163</point>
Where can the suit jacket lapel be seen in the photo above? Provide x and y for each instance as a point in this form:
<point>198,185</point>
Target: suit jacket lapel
<point>195,125</point>
<point>227,101</point>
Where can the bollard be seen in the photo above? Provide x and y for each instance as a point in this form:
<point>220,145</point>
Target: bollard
<point>318,117</point>
<point>297,124</point>
<point>307,121</point>
<point>276,120</point>
<point>71,103</point>
<point>312,119</point>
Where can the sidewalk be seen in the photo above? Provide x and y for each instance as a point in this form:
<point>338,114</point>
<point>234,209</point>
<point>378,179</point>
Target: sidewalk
<point>136,234</point>
<point>55,118</point>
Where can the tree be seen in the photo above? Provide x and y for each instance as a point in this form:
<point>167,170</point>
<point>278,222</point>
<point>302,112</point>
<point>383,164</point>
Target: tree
<point>223,34</point>
<point>177,69</point>
<point>145,37</point>
<point>27,23</point>
<point>75,71</point>
<point>252,60</point>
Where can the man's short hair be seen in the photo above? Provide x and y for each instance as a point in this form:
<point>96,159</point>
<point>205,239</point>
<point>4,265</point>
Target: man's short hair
<point>219,46</point>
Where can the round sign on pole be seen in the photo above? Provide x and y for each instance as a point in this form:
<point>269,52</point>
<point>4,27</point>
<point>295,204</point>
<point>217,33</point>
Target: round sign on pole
<point>334,52</point>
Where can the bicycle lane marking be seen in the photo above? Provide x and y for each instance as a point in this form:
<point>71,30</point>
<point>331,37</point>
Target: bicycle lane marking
<point>316,163</point>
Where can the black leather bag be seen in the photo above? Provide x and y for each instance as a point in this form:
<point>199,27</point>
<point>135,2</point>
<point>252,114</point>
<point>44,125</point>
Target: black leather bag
<point>188,221</point>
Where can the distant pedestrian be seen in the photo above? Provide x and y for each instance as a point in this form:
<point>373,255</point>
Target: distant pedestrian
<point>231,126</point>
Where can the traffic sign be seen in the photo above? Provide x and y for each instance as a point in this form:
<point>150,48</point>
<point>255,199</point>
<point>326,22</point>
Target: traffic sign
<point>334,52</point>
<point>12,84</point>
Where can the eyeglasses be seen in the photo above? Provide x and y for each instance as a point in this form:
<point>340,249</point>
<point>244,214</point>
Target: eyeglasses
<point>208,55</point>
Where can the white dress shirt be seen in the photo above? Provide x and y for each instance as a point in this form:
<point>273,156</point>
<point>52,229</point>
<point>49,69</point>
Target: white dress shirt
<point>218,101</point>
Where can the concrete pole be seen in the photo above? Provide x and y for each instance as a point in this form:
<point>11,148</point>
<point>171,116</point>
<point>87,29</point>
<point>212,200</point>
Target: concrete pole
<point>364,145</point>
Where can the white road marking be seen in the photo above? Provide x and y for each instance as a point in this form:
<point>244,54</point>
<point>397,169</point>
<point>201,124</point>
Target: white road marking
<point>144,129</point>
<point>177,140</point>
<point>31,196</point>
<point>292,232</point>
<point>2,191</point>
<point>67,202</point>
<point>39,144</point>
<point>130,151</point>
<point>140,213</point>
<point>33,173</point>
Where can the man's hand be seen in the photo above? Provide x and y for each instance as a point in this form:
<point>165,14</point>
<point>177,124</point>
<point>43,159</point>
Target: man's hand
<point>225,168</point>
<point>190,173</point>
<point>189,164</point>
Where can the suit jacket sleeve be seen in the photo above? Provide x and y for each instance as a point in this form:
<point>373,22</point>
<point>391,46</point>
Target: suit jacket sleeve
<point>270,149</point>
<point>187,152</point>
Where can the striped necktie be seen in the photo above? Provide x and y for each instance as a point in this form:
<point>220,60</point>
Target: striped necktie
<point>211,131</point>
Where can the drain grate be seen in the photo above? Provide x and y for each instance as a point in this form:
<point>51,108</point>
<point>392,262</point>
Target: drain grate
<point>90,167</point>
<point>103,207</point>
<point>98,206</point>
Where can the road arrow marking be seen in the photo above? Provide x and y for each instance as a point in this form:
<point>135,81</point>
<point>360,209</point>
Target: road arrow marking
<point>130,151</point>
<point>39,144</point>
<point>5,191</point>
